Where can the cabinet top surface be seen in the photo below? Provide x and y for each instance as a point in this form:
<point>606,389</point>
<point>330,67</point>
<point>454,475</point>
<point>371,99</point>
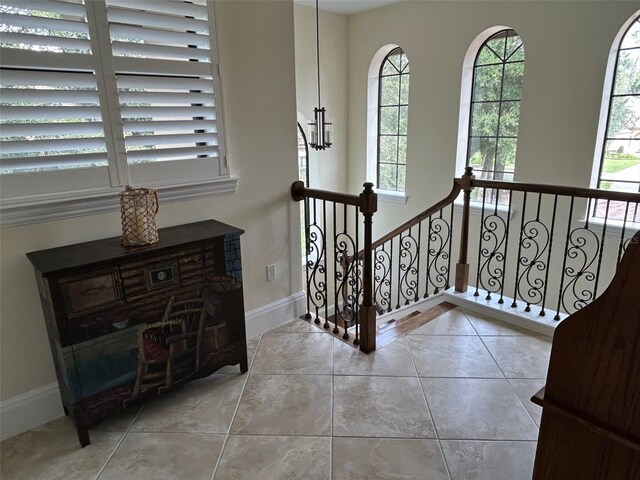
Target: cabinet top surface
<point>110,249</point>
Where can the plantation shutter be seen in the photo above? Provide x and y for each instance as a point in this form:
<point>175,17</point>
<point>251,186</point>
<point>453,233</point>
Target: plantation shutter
<point>49,105</point>
<point>165,66</point>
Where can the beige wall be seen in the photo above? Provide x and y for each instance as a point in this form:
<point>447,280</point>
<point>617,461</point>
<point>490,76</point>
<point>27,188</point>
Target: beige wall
<point>567,46</point>
<point>257,54</point>
<point>328,168</point>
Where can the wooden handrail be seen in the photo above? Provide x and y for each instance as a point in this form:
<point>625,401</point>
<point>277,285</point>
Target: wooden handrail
<point>299,192</point>
<point>455,191</point>
<point>557,190</point>
<point>514,186</point>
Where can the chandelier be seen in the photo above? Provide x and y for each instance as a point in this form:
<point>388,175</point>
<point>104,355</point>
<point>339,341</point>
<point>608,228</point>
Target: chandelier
<point>321,129</point>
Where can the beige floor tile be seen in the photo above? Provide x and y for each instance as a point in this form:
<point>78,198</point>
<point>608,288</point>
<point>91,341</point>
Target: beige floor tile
<point>387,458</point>
<point>520,357</point>
<point>285,405</point>
<point>489,326</point>
<point>53,453</point>
<point>119,422</point>
<point>453,322</point>
<point>525,389</point>
<point>202,406</point>
<point>477,408</point>
<point>380,407</point>
<point>489,460</point>
<point>166,456</point>
<point>299,326</point>
<point>452,356</point>
<point>275,458</point>
<point>252,345</point>
<point>392,360</point>
<point>291,353</point>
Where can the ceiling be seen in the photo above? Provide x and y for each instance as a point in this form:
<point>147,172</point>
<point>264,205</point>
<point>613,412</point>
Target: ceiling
<point>346,7</point>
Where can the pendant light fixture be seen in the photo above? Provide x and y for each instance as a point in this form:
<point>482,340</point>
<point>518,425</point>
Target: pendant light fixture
<point>321,129</point>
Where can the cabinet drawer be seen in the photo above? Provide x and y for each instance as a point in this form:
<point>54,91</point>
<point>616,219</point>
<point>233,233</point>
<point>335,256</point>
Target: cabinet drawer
<point>90,293</point>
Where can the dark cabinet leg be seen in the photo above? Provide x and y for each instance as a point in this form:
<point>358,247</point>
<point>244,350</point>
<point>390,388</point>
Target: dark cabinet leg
<point>83,436</point>
<point>244,364</point>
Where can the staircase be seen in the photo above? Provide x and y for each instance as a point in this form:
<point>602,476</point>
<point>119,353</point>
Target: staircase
<point>534,253</point>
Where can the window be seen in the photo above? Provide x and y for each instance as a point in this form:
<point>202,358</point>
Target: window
<point>96,98</point>
<point>619,157</point>
<point>393,104</point>
<point>303,157</point>
<point>498,71</point>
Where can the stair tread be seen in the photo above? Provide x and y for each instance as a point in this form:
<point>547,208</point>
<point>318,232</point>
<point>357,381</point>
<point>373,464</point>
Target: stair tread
<point>407,324</point>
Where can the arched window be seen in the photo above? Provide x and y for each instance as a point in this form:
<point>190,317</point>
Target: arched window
<point>303,157</point>
<point>494,115</point>
<point>619,154</point>
<point>393,104</point>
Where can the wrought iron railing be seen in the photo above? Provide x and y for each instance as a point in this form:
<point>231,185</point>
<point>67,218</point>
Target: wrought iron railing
<point>339,291</point>
<point>536,248</point>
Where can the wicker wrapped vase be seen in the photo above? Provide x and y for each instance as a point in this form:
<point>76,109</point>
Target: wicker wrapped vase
<point>138,208</point>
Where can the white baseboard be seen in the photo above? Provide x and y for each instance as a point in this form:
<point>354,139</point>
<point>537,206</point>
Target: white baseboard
<point>529,321</point>
<point>43,404</point>
<point>272,315</point>
<point>30,410</point>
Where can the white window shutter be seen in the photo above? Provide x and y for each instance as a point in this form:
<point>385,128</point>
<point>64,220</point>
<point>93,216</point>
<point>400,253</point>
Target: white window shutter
<point>165,68</point>
<point>50,108</point>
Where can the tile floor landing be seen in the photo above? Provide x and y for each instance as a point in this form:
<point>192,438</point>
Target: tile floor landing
<point>450,401</point>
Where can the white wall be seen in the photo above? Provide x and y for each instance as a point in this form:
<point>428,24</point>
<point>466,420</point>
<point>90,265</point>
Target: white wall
<point>567,46</point>
<point>328,169</point>
<point>257,55</point>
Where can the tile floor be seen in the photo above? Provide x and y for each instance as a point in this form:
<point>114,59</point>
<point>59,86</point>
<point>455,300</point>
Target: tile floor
<point>448,401</point>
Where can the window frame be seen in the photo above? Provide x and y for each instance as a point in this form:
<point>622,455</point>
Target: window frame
<point>472,101</point>
<point>371,166</point>
<point>606,109</point>
<point>102,196</point>
<point>401,73</point>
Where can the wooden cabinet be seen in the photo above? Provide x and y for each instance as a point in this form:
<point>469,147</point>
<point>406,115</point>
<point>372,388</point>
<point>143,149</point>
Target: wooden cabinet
<point>128,323</point>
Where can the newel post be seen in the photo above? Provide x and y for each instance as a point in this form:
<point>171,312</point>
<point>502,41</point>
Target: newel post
<point>462,267</point>
<point>368,206</point>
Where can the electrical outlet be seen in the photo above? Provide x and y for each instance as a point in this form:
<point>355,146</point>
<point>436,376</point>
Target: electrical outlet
<point>271,272</point>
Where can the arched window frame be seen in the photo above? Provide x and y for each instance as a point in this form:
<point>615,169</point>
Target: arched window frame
<point>373,122</point>
<point>467,100</point>
<point>609,94</point>
<point>303,165</point>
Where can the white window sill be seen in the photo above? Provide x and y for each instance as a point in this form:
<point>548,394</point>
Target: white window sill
<point>394,197</point>
<point>475,208</point>
<point>614,227</point>
<point>26,212</point>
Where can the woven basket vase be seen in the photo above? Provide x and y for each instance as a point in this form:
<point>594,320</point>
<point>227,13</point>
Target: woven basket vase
<point>138,208</point>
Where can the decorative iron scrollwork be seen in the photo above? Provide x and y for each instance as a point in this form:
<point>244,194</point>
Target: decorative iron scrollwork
<point>316,255</point>
<point>583,247</point>
<point>348,279</point>
<point>534,242</point>
<point>438,254</point>
<point>408,284</point>
<point>493,238</point>
<point>382,280</point>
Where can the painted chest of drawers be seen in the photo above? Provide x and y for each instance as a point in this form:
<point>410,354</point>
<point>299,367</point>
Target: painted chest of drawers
<point>129,323</point>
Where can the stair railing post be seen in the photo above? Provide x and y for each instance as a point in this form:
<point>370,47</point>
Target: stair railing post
<point>368,206</point>
<point>462,267</point>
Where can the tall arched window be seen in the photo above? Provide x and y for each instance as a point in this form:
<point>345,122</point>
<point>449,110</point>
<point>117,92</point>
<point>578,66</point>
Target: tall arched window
<point>303,157</point>
<point>619,166</point>
<point>498,71</point>
<point>393,104</point>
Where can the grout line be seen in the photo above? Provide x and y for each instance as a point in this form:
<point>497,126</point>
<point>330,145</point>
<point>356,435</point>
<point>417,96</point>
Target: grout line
<point>333,369</point>
<point>235,411</point>
<point>424,395</point>
<point>511,386</point>
<point>126,432</point>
